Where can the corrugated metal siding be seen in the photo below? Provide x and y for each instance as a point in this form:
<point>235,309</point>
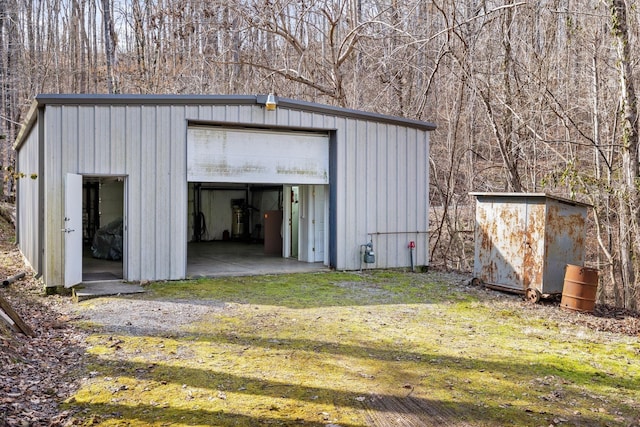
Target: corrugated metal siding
<point>374,172</point>
<point>28,202</point>
<point>142,143</point>
<point>383,171</point>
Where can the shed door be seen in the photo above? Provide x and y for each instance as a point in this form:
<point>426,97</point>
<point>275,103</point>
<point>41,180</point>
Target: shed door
<point>510,242</point>
<point>257,156</point>
<point>72,230</point>
<point>507,251</point>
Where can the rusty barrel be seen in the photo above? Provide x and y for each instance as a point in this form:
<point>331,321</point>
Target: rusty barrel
<point>579,290</point>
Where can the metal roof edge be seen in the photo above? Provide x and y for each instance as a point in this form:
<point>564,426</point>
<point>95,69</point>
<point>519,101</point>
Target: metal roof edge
<point>32,116</point>
<point>547,195</point>
<point>341,111</point>
<point>157,99</point>
<point>173,99</point>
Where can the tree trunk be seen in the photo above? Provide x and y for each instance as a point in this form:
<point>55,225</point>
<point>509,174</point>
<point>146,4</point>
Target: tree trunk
<point>628,197</point>
<point>109,45</point>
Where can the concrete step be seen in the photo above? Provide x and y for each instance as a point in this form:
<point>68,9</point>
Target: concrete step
<point>87,290</point>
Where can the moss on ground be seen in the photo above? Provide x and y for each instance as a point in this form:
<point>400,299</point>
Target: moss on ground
<point>316,349</point>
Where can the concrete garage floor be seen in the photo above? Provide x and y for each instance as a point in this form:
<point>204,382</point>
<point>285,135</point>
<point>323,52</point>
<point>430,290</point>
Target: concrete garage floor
<point>94,269</point>
<point>216,259</point>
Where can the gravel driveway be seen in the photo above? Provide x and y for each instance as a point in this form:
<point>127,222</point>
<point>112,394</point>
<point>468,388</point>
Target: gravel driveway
<point>134,316</point>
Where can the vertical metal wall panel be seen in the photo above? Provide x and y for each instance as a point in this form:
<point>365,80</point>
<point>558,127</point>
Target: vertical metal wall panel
<point>117,148</point>
<point>403,208</point>
<point>53,197</point>
<point>295,118</point>
<point>85,133</point>
<point>360,192</point>
<point>148,192</point>
<point>400,249</point>
<point>102,140</point>
<point>179,195</point>
<point>391,188</point>
<point>28,201</point>
<point>163,203</point>
<point>69,133</point>
<point>380,223</point>
<point>370,175</point>
<point>422,197</point>
<point>345,204</point>
<point>134,187</point>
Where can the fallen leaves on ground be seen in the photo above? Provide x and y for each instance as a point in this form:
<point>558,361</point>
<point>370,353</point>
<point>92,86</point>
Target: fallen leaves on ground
<point>36,372</point>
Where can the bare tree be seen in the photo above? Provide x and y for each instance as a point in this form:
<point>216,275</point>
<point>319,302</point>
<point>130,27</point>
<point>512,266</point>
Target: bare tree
<point>109,45</point>
<point>628,198</point>
<point>10,112</point>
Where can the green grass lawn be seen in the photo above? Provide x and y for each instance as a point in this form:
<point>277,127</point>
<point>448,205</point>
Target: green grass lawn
<point>333,348</point>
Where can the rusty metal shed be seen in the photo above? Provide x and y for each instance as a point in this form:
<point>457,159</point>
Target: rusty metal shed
<point>523,241</point>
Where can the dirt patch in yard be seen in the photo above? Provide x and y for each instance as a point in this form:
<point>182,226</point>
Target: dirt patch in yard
<point>393,411</point>
<point>143,317</point>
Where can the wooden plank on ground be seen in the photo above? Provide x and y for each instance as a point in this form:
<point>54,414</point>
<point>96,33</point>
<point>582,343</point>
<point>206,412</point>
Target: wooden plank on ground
<point>5,317</point>
<point>22,326</point>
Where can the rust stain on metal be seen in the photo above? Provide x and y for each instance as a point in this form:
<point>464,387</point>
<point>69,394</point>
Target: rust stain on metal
<point>533,236</point>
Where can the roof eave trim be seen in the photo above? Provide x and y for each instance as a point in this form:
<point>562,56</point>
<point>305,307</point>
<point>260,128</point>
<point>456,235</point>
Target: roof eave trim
<point>32,117</point>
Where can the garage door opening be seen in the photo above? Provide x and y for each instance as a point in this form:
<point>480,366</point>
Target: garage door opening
<point>258,200</point>
<point>250,228</point>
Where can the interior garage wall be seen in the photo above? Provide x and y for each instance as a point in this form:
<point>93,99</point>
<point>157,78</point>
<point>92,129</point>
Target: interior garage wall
<point>111,201</point>
<point>378,183</point>
<point>215,205</point>
<point>218,213</point>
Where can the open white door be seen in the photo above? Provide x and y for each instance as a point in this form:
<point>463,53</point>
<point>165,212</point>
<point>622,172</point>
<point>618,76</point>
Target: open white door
<point>313,235</point>
<point>72,230</point>
<point>318,222</point>
<point>286,221</point>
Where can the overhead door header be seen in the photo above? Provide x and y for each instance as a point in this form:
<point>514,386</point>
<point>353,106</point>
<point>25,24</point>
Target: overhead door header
<point>257,156</point>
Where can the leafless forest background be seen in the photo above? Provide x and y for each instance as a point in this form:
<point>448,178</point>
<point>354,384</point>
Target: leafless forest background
<point>527,95</point>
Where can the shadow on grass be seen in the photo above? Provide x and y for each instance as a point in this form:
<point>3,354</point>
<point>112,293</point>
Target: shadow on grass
<point>427,413</point>
<point>472,411</point>
<point>584,375</point>
<point>479,406</point>
<point>149,414</point>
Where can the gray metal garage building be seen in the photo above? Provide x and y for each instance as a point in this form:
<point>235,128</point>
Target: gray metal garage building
<point>306,181</point>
